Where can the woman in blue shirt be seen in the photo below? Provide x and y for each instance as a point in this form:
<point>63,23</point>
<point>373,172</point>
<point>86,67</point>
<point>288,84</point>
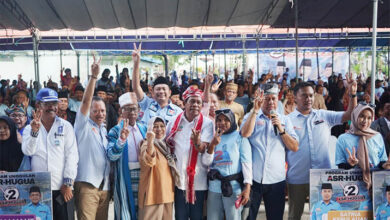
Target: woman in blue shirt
<point>231,168</point>
<point>361,146</point>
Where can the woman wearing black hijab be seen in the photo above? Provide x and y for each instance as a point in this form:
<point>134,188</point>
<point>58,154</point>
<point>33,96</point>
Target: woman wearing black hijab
<point>11,154</point>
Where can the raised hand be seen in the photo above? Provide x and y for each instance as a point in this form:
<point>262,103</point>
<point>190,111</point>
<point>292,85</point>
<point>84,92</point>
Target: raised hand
<point>150,135</point>
<point>217,137</point>
<point>259,99</point>
<point>195,138</point>
<point>352,84</point>
<point>352,160</point>
<point>36,122</point>
<point>215,86</point>
<point>125,130</point>
<point>95,67</point>
<point>136,53</point>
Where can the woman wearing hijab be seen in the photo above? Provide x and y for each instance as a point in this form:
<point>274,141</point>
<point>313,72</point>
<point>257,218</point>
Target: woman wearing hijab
<point>361,146</point>
<point>158,174</point>
<point>11,154</point>
<point>230,175</point>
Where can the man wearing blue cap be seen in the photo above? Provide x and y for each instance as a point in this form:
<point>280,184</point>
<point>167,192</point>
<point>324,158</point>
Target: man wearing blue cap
<point>51,143</point>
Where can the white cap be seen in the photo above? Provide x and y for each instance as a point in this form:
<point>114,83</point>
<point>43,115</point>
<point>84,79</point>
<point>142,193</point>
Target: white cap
<point>127,99</point>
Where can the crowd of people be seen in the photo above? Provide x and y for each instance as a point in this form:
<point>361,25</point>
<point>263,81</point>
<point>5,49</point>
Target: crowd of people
<point>188,148</point>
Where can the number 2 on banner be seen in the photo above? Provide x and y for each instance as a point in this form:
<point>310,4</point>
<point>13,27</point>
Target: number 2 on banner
<point>11,193</point>
<point>351,190</point>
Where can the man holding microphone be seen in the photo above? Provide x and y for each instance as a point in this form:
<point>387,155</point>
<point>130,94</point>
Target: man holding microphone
<point>270,135</point>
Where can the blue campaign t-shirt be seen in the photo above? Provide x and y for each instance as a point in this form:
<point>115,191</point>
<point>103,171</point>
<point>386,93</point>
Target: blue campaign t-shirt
<point>228,156</point>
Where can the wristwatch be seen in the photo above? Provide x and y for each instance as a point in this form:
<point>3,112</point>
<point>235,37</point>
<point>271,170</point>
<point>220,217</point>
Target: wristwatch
<point>253,111</point>
<point>68,182</point>
<point>352,96</point>
<point>282,133</point>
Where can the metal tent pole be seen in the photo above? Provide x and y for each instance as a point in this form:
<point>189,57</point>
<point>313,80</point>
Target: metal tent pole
<point>243,58</point>
<point>332,60</point>
<point>78,63</point>
<point>373,63</point>
<point>88,64</point>
<point>206,63</point>
<point>257,59</point>
<point>296,41</point>
<point>36,55</point>
<point>61,59</point>
<point>318,66</point>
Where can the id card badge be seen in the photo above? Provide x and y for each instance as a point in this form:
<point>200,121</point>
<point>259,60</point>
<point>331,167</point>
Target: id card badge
<point>57,142</point>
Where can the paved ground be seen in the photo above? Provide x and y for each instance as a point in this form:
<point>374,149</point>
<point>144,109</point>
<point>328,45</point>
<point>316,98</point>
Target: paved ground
<point>261,216</point>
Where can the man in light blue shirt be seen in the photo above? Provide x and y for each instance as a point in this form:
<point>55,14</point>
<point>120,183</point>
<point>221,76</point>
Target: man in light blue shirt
<point>92,181</point>
<point>40,210</point>
<point>313,128</point>
<point>383,211</point>
<point>271,135</point>
<point>159,104</point>
<point>326,204</point>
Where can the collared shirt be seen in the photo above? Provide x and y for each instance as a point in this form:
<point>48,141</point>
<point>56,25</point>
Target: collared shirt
<point>74,105</point>
<point>383,212</point>
<point>182,151</point>
<point>387,122</point>
<point>314,136</point>
<point>150,108</point>
<point>54,151</point>
<point>133,140</point>
<point>375,147</point>
<point>40,210</point>
<point>321,208</point>
<point>268,150</point>
<point>94,167</point>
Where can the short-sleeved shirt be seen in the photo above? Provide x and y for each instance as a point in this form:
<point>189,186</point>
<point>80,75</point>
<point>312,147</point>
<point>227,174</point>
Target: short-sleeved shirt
<point>268,149</point>
<point>229,154</point>
<point>150,108</point>
<point>321,208</point>
<point>93,165</point>
<point>375,147</point>
<point>383,212</point>
<point>40,210</point>
<point>314,136</point>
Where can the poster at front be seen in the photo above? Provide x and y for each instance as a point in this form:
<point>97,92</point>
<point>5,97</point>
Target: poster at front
<point>381,194</point>
<point>339,195</point>
<point>25,196</point>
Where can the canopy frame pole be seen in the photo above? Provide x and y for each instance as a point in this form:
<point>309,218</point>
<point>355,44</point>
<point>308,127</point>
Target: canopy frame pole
<point>243,58</point>
<point>303,66</point>
<point>373,58</point>
<point>206,63</point>
<point>196,66</point>
<point>88,64</point>
<point>349,59</point>
<point>332,60</point>
<point>61,59</point>
<point>388,62</point>
<point>318,66</point>
<point>296,41</point>
<point>78,63</point>
<point>36,55</point>
<point>257,59</point>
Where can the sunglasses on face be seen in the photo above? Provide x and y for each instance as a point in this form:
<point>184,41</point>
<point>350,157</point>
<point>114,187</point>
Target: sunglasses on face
<point>224,111</point>
<point>369,104</point>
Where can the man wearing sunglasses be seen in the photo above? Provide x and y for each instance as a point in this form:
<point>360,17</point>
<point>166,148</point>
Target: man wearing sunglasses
<point>313,128</point>
<point>51,143</point>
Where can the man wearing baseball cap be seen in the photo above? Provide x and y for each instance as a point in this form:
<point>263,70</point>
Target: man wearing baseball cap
<point>51,143</point>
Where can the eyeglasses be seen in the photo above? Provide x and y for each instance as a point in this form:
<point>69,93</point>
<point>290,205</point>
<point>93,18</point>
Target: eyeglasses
<point>224,111</point>
<point>16,115</point>
<point>369,104</point>
<point>130,109</point>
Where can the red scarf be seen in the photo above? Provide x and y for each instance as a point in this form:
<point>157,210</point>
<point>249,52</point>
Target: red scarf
<point>190,191</point>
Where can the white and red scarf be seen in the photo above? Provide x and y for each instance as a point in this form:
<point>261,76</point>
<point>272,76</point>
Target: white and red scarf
<point>193,156</point>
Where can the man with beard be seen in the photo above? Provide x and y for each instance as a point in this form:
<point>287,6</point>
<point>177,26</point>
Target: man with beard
<point>159,104</point>
<point>63,111</point>
<point>123,149</point>
<point>51,143</point>
<point>189,136</point>
<point>382,124</point>
<point>18,115</point>
<point>231,94</point>
<point>313,129</point>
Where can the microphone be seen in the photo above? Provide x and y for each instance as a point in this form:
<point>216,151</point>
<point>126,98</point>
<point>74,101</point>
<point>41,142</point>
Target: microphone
<point>273,113</point>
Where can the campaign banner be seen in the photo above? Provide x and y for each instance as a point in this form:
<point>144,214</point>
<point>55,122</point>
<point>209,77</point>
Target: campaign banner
<point>381,194</point>
<point>25,196</point>
<point>339,195</point>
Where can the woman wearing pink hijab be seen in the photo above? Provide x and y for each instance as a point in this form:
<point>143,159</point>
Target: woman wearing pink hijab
<point>361,147</point>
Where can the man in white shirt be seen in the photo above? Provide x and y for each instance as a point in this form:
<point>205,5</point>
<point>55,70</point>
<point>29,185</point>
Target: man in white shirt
<point>189,135</point>
<point>53,148</point>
